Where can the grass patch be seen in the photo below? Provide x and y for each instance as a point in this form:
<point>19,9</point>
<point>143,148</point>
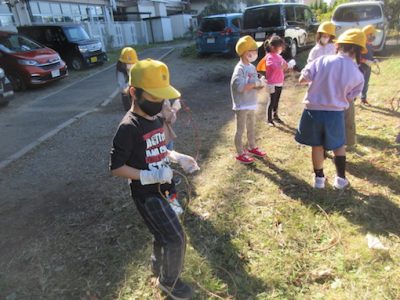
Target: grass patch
<point>262,232</point>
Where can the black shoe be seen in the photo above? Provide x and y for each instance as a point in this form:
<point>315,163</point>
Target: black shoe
<point>277,119</point>
<point>180,291</point>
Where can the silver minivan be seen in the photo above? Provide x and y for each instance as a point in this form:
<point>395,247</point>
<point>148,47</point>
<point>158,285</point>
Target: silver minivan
<point>360,14</point>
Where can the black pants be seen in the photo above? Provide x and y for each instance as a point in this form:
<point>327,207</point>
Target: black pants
<point>169,243</point>
<point>273,105</point>
<point>366,70</point>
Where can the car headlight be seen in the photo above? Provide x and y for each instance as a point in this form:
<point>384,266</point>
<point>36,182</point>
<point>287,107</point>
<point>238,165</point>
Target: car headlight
<point>83,49</point>
<point>99,45</point>
<point>27,62</point>
<point>2,74</point>
<point>380,26</point>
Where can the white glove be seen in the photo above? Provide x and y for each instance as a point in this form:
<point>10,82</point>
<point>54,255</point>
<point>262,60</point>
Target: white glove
<point>188,163</point>
<point>291,64</point>
<point>176,105</point>
<point>163,175</point>
<point>260,83</point>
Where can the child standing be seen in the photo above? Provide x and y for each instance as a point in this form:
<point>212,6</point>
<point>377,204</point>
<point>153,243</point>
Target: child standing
<point>324,46</point>
<point>334,81</point>
<point>244,85</point>
<point>274,73</point>
<point>127,59</point>
<point>367,60</point>
<point>139,153</point>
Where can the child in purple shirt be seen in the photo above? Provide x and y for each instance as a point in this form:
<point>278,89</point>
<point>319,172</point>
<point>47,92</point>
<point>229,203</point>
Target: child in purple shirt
<point>275,67</point>
<point>334,82</point>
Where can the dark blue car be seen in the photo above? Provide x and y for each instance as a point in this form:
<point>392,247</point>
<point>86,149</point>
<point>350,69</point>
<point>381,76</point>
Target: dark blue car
<point>219,34</point>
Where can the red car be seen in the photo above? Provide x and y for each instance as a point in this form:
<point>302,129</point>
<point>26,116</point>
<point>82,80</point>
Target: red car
<point>28,63</point>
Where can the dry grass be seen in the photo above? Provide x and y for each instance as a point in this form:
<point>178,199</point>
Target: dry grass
<point>257,232</point>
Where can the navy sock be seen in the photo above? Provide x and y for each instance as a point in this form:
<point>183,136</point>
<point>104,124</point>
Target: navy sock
<point>319,173</point>
<point>340,164</point>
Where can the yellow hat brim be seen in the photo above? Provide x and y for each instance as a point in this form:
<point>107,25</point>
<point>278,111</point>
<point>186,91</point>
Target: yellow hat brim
<point>326,32</point>
<point>259,44</point>
<point>164,93</point>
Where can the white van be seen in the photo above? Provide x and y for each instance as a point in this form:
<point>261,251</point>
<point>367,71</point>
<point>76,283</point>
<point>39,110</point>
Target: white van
<point>360,14</point>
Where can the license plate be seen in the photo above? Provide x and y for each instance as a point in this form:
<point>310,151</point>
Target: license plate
<point>55,73</point>
<point>260,36</point>
<point>93,59</point>
<point>210,40</point>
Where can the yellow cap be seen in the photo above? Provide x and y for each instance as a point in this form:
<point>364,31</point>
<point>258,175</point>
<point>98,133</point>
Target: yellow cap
<point>369,29</point>
<point>128,56</point>
<point>328,28</point>
<point>153,77</point>
<point>246,43</point>
<point>355,37</point>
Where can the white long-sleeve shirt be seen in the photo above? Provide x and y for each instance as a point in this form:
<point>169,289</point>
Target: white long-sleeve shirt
<point>122,82</point>
<point>320,50</point>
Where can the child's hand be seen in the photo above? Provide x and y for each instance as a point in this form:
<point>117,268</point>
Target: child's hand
<point>188,163</point>
<point>162,175</point>
<point>284,66</point>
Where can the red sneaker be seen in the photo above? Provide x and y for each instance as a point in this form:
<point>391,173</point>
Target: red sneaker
<point>257,152</point>
<point>245,159</point>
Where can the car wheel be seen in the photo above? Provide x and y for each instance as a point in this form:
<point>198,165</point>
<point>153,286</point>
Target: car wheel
<point>76,63</point>
<point>17,82</point>
<point>293,49</point>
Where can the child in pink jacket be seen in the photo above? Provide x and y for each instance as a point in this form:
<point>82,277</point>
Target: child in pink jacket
<point>275,67</point>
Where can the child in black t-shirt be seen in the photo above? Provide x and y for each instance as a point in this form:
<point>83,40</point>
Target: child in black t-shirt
<point>140,154</point>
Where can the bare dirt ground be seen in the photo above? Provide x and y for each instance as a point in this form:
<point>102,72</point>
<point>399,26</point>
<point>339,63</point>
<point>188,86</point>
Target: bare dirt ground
<point>69,230</point>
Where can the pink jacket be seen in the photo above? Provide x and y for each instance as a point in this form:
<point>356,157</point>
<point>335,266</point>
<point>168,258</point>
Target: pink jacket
<point>274,73</point>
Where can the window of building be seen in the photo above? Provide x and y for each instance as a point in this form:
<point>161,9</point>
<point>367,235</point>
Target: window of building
<point>6,16</point>
<point>46,12</point>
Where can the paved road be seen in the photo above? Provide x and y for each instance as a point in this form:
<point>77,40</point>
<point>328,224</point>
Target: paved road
<point>22,127</point>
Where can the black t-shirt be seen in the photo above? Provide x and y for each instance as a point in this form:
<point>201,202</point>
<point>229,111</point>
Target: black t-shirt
<point>140,143</point>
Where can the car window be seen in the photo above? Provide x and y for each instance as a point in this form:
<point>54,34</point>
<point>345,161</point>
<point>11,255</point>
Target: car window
<point>16,43</point>
<point>75,33</point>
<point>290,16</point>
<point>237,22</point>
<point>308,15</point>
<point>212,25</point>
<point>268,16</point>
<point>357,13</point>
<point>300,14</point>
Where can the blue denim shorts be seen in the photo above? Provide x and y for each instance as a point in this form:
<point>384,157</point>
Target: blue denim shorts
<point>322,128</point>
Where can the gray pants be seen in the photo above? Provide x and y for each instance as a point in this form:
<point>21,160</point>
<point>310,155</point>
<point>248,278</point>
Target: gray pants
<point>245,119</point>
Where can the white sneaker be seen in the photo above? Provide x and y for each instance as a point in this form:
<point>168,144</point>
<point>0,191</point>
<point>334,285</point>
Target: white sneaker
<point>340,183</point>
<point>319,182</point>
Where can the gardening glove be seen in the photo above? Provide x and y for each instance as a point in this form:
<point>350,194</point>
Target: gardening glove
<point>259,83</point>
<point>291,64</point>
<point>188,163</point>
<point>176,106</point>
<point>162,175</point>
